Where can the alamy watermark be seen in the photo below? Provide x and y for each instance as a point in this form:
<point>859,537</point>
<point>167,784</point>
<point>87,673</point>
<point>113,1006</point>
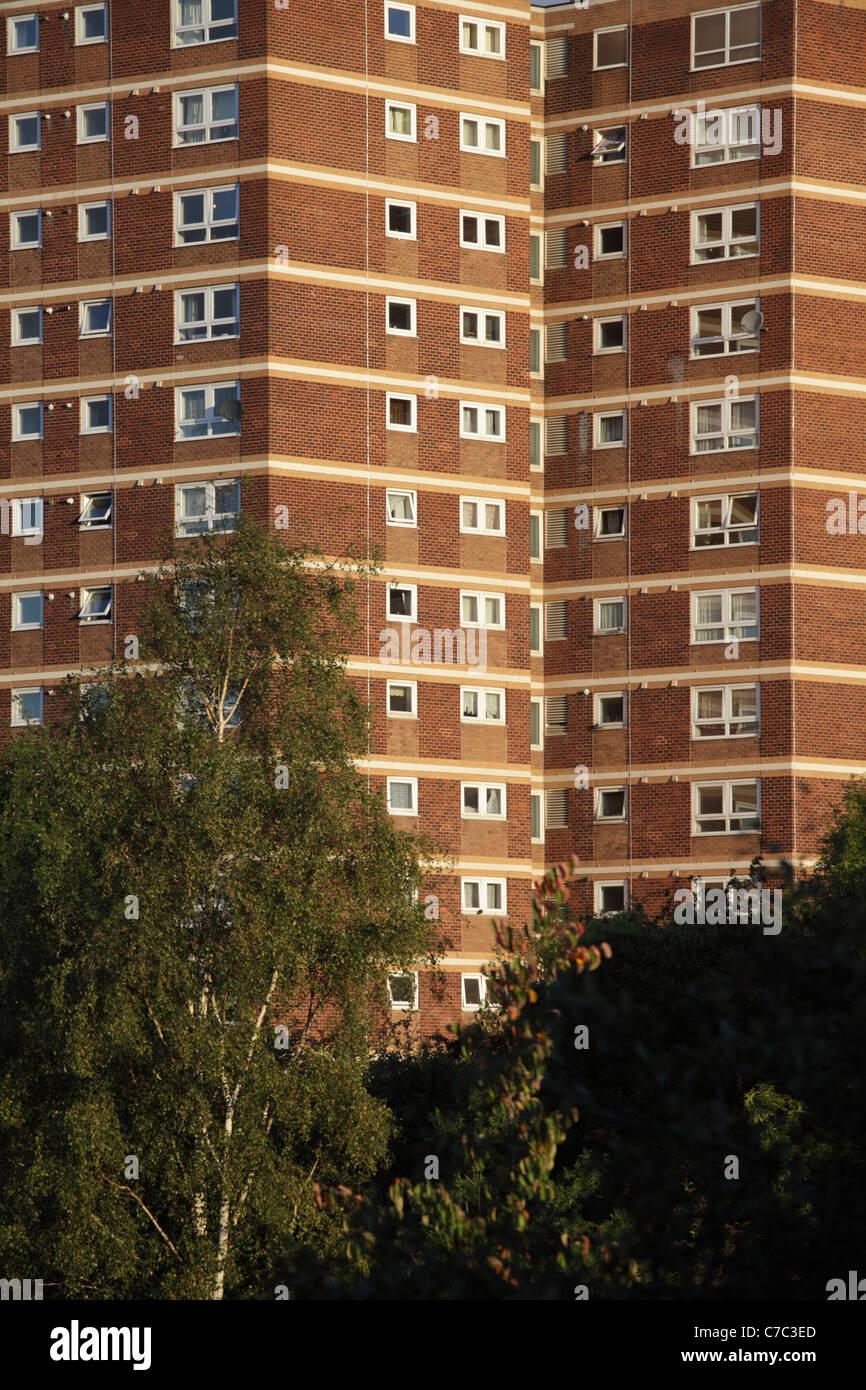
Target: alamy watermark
<point>712,907</point>
<point>737,127</point>
<point>441,646</point>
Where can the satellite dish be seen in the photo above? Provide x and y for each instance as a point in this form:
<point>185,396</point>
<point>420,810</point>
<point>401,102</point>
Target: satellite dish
<point>230,410</point>
<point>753,321</point>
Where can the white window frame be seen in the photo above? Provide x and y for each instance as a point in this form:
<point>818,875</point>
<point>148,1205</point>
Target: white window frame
<point>80,11</point>
<point>413,212</point>
<point>402,810</point>
<point>17,436</point>
<point>83,308</point>
<point>482,123</point>
<point>18,720</point>
<point>210,519</point>
<point>12,48</point>
<point>598,793</point>
<point>466,1007</point>
<point>540,142</point>
<point>611,29</point>
<point>603,144</point>
<point>597,894</point>
<point>538,798</point>
<point>483,884</point>
<point>482,691</point>
<point>482,408</point>
<point>17,624</point>
<point>412,304</point>
<point>409,1008</point>
<point>87,598</point>
<point>86,402</point>
<point>404,9</point>
<point>15,147</point>
<point>726,717</point>
<point>601,695</point>
<point>413,507</point>
<point>726,530</point>
<point>537,609</point>
<point>208,123</point>
<point>539,45</point>
<point>412,687</point>
<point>727,241</point>
<point>211,418</point>
<point>412,427</point>
<point>727,339</point>
<point>480,595</point>
<point>727,149</point>
<point>20,527</point>
<point>479,51</point>
<point>727,61</point>
<point>597,603</point>
<point>598,534</point>
<point>483,315</point>
<point>412,590</point>
<point>596,333</point>
<point>536,716</point>
<point>83,209</point>
<point>393,104</point>
<point>597,418</point>
<point>536,527</point>
<point>483,788</point>
<point>15,244</point>
<point>16,339</point>
<point>726,430</point>
<point>207,22</point>
<point>597,230</point>
<point>87,506</point>
<point>727,813</point>
<point>80,112</point>
<point>726,621</point>
<point>208,224</point>
<point>482,218</point>
<point>482,529</point>
<point>209,320</point>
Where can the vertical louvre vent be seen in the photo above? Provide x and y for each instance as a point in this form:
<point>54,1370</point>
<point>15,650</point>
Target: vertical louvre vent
<point>556,809</point>
<point>557,153</point>
<point>555,620</point>
<point>556,57</point>
<point>556,714</point>
<point>556,434</point>
<point>556,248</point>
<point>556,339</point>
<point>557,528</point>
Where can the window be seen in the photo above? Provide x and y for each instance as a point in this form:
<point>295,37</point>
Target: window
<point>725,615</point>
<point>484,894</point>
<point>726,424</point>
<point>27,325</point>
<point>27,516</point>
<point>482,135</point>
<point>403,991</point>
<point>209,214</point>
<point>610,803</point>
<point>726,136</point>
<point>25,132</point>
<point>611,48</point>
<point>535,274</point>
<point>400,219</point>
<point>535,522</point>
<point>399,120</point>
<point>27,611</point>
<point>96,415</point>
<point>95,318</point>
<point>556,528</point>
<point>536,163</point>
<point>556,715</point>
<point>482,421</point>
<point>91,24</point>
<point>482,37</point>
<point>610,334</point>
<point>94,221</point>
<point>401,508</point>
<point>535,639</point>
<point>478,516</point>
<point>482,233</point>
<point>27,420</point>
<point>726,520</point>
<point>536,457</point>
<point>609,429</point>
<point>739,901</point>
<point>401,412</point>
<point>609,523</point>
<point>204,21</point>
<point>725,233</point>
<point>478,609</point>
<point>206,115</point>
<point>212,312</point>
<point>536,816</point>
<point>610,711</point>
<point>403,602</point>
<point>610,896</point>
<point>718,329</point>
<point>609,614</point>
<point>481,704</point>
<point>95,512</point>
<point>725,808</point>
<point>482,327</point>
<point>400,317</point>
<point>207,507</point>
<point>725,711</point>
<point>610,240</point>
<point>402,793</point>
<point>556,620</point>
<point>726,36</point>
<point>93,123</point>
<point>535,368</point>
<point>536,715</point>
<point>25,229</point>
<point>609,145</point>
<point>536,67</point>
<point>22,34</point>
<point>399,22</point>
<point>473,990</point>
<point>556,809</point>
<point>26,706</point>
<point>95,605</point>
<point>484,800</point>
<point>203,411</point>
<point>402,699</point>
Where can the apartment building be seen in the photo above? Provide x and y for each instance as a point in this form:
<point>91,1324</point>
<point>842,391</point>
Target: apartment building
<point>561,308</point>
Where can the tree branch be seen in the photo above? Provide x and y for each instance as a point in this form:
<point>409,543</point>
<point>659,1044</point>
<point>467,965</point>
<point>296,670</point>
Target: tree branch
<point>123,1187</point>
